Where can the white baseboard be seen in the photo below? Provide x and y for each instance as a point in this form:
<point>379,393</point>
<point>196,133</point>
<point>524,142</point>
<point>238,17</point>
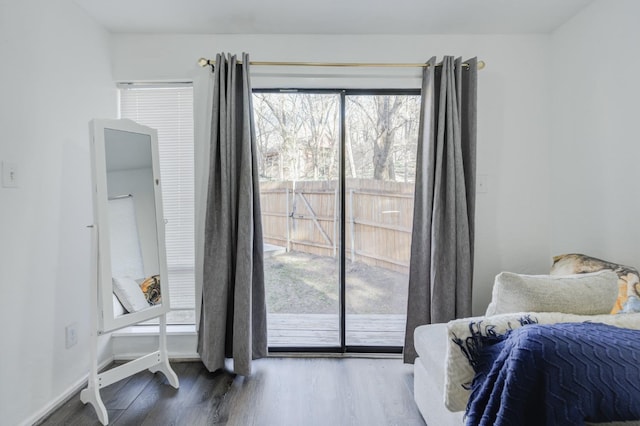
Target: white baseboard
<point>57,402</point>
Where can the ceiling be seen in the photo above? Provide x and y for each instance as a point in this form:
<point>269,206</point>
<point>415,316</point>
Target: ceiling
<point>332,16</point>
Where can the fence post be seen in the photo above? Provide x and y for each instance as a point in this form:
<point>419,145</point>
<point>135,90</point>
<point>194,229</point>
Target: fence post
<point>353,227</point>
<point>287,218</point>
<point>335,222</point>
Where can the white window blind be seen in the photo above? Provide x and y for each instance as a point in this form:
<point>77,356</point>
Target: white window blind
<point>169,110</point>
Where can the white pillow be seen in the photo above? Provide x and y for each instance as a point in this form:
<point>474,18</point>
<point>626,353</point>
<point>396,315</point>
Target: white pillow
<point>130,294</point>
<point>118,309</point>
<point>581,294</point>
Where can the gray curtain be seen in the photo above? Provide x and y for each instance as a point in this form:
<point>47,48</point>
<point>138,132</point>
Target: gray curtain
<point>233,316</point>
<point>441,265</point>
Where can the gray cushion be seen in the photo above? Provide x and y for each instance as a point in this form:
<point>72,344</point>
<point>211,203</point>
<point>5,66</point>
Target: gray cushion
<point>581,294</point>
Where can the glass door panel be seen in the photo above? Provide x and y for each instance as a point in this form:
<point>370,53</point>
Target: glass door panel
<point>298,145</point>
<point>380,150</point>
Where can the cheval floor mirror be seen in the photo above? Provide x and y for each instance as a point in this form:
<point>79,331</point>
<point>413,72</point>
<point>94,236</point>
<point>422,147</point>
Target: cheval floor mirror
<point>129,267</point>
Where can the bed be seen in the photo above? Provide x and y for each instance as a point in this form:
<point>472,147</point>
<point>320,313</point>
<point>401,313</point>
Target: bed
<point>444,373</point>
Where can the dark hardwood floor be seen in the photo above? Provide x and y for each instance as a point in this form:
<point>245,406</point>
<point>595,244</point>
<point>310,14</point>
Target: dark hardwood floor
<point>280,392</point>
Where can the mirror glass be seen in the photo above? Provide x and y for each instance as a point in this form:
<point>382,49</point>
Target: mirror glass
<point>128,237</point>
<point>133,234</point>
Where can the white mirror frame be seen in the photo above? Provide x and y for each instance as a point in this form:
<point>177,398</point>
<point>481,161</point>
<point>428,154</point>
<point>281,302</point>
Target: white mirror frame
<point>107,321</point>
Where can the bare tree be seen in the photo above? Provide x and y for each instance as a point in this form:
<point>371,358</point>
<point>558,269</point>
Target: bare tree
<point>381,123</point>
<point>297,135</point>
<point>320,118</point>
<point>386,107</point>
<point>301,128</point>
<point>277,114</point>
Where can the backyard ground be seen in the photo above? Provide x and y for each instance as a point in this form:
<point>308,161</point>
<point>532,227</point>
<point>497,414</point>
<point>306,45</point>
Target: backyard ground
<point>302,283</point>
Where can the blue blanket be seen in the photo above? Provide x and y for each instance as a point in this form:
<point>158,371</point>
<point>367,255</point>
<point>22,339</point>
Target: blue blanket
<point>559,374</point>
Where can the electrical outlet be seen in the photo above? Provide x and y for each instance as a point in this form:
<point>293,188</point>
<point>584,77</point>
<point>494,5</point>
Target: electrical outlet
<point>71,335</point>
<point>9,175</point>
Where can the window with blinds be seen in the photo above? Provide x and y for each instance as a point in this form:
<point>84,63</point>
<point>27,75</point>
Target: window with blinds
<point>169,110</point>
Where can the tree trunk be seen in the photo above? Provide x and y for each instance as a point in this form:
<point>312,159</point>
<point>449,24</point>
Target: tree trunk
<point>382,161</point>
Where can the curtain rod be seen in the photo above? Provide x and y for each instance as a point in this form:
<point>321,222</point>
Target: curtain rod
<point>203,62</point>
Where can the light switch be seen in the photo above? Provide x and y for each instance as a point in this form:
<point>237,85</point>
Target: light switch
<point>9,175</point>
<point>483,184</point>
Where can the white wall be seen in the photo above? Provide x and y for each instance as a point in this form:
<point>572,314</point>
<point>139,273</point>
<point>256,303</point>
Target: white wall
<point>594,134</point>
<point>55,76</point>
<point>513,218</point>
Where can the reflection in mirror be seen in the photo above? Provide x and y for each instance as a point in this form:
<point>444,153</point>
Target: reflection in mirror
<point>135,268</point>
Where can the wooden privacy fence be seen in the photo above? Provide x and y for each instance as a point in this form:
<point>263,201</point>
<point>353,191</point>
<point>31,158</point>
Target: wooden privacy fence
<point>304,216</point>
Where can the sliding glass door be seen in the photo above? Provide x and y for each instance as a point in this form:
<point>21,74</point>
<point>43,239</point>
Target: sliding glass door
<point>336,188</point>
<point>298,142</point>
<point>381,137</point>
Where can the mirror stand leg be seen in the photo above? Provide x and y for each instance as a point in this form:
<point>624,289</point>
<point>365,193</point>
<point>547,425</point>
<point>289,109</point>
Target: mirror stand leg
<point>91,395</point>
<point>163,366</point>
